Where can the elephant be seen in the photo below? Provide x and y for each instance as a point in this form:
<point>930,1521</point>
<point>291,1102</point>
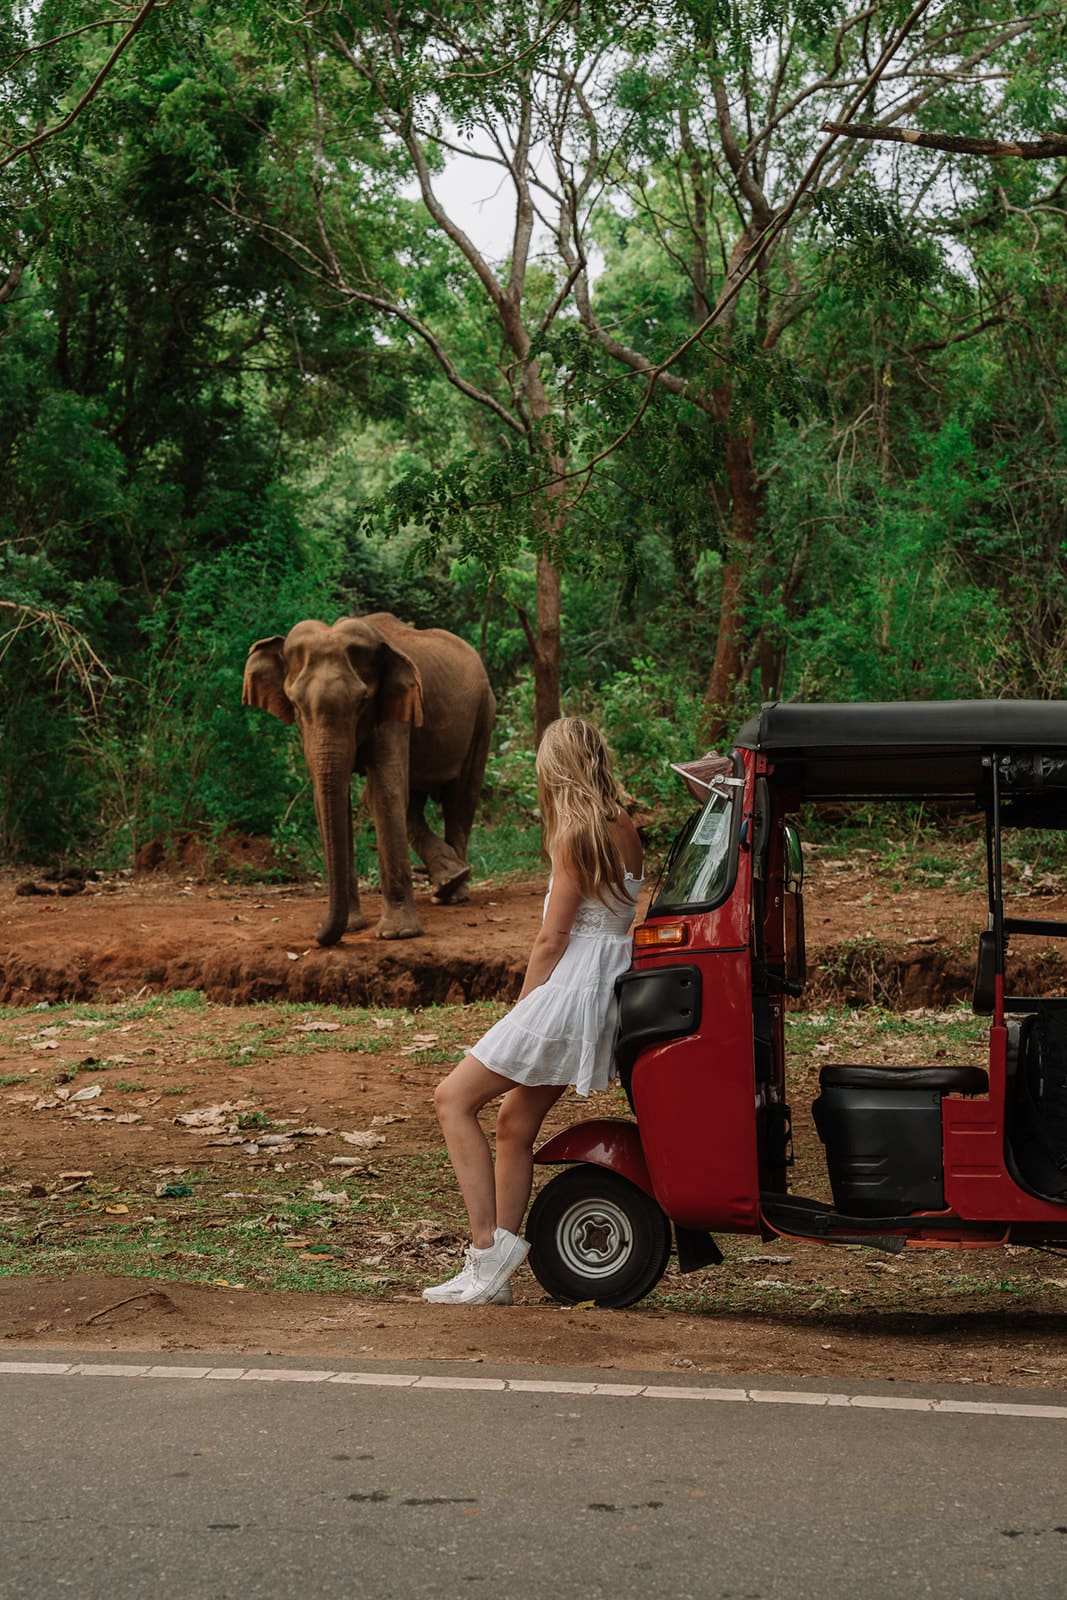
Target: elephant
<point>412,709</point>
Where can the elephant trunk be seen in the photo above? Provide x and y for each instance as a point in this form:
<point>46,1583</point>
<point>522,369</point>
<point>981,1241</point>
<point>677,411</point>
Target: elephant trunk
<point>331,769</point>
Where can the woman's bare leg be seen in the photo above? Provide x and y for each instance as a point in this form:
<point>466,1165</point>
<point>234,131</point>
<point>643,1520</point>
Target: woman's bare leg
<point>458,1100</point>
<point>522,1111</point>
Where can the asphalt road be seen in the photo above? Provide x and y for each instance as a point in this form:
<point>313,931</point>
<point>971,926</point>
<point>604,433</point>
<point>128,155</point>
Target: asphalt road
<point>168,1483</point>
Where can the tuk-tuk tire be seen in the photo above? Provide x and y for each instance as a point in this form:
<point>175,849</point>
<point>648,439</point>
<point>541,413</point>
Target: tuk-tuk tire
<point>584,1210</point>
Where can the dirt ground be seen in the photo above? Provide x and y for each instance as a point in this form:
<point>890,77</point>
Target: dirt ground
<point>95,1104</point>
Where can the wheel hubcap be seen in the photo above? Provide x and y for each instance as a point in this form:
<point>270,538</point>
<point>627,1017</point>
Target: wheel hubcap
<point>595,1238</point>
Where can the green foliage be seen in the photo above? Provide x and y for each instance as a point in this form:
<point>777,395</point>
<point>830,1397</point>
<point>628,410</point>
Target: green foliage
<point>202,760</point>
<point>878,257</point>
<point>649,715</point>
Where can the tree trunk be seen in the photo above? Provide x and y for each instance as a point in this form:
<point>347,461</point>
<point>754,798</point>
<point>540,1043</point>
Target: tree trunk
<point>550,513</point>
<point>547,649</point>
<point>745,496</point>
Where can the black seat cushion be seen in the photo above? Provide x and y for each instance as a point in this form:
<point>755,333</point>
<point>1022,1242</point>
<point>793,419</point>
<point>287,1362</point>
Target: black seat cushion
<point>942,1080</point>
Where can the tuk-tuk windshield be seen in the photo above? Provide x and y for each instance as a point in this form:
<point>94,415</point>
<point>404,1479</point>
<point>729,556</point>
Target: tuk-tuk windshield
<point>701,867</point>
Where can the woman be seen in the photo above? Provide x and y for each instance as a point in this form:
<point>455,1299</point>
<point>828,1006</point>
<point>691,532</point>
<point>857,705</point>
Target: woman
<point>560,1030</point>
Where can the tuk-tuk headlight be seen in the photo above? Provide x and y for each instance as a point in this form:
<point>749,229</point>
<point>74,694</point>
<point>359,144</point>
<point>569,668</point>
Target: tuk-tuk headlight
<point>657,935</point>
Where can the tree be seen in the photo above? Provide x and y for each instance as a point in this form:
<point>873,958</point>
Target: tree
<point>708,147</point>
<point>496,84</point>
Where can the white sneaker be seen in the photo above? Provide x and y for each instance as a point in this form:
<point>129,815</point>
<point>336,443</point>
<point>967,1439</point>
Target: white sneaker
<point>484,1277</point>
<point>442,1293</point>
<point>491,1269</point>
<point>503,1296</point>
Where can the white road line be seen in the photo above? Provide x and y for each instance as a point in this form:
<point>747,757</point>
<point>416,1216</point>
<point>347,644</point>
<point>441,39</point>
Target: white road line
<point>626,1391</point>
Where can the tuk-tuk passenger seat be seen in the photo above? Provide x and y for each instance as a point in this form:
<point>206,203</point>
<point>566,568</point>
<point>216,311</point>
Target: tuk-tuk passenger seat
<point>941,1080</point>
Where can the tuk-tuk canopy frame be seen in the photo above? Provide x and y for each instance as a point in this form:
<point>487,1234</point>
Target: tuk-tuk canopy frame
<point>1007,757</point>
<point>896,749</point>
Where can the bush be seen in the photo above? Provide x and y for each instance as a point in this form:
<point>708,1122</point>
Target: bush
<point>201,760</point>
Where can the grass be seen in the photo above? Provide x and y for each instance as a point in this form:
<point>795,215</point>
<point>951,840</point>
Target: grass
<point>217,1233</point>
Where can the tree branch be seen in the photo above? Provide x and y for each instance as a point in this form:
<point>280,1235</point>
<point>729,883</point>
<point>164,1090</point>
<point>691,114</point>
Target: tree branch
<point>94,88</point>
<point>1043,149</point>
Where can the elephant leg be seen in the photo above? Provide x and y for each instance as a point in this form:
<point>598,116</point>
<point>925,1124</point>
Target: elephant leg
<point>387,796</point>
<point>356,918</point>
<point>448,871</point>
<point>459,802</point>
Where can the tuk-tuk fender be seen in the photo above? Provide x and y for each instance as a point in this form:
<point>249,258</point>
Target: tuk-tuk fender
<point>610,1142</point>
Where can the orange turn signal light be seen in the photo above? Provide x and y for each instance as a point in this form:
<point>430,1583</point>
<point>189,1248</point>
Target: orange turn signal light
<point>654,935</point>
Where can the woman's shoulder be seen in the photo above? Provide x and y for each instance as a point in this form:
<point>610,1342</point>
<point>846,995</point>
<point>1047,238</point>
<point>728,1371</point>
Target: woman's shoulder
<point>628,844</point>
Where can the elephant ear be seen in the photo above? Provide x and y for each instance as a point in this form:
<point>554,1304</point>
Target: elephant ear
<point>399,688</point>
<point>264,684</point>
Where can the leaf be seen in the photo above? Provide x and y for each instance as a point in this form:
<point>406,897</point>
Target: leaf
<point>365,1139</point>
<point>90,1092</point>
<point>317,1027</point>
<point>117,1211</point>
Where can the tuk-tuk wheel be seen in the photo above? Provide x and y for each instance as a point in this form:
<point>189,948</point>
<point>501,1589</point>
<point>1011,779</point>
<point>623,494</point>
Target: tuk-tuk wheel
<point>596,1236</point>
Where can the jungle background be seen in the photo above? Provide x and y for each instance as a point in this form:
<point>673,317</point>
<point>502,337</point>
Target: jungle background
<point>726,409</point>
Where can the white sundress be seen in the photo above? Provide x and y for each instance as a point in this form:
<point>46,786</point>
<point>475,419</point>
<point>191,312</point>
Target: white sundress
<point>563,1031</point>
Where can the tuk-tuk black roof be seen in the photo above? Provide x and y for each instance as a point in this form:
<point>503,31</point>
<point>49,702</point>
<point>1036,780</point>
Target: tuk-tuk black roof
<point>907,747</point>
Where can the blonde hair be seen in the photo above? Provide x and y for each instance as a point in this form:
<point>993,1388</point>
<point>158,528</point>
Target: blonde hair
<point>579,798</point>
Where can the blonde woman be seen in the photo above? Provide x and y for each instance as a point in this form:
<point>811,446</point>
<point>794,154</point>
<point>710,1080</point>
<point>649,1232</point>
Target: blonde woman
<point>560,1030</point>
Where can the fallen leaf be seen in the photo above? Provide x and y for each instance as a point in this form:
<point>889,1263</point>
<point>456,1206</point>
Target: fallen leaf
<point>117,1211</point>
<point>210,1116</point>
<point>317,1027</point>
<point>364,1140</point>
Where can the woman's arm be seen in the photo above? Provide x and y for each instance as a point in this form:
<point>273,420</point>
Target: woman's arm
<point>553,936</point>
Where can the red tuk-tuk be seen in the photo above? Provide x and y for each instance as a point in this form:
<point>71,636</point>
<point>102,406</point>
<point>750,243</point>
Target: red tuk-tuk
<point>945,1156</point>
